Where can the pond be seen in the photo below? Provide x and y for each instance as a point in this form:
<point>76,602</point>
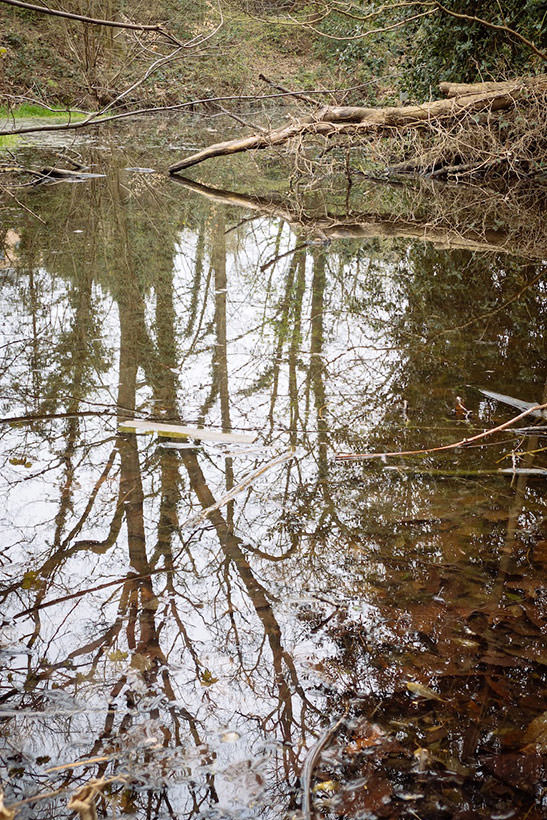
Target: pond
<point>249,626</point>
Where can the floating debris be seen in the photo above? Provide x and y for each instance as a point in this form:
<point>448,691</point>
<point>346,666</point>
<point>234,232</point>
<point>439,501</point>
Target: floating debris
<point>230,737</point>
<point>200,433</point>
<point>517,403</point>
<point>422,691</point>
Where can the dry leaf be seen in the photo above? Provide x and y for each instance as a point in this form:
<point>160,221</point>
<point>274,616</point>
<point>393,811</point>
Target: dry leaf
<point>5,812</point>
<point>535,737</point>
<point>422,691</point>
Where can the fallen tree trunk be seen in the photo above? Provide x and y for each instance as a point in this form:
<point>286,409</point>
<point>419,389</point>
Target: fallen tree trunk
<point>331,120</point>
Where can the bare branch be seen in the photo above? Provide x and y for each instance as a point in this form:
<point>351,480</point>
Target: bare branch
<point>82,18</point>
<point>462,443</point>
<point>371,31</point>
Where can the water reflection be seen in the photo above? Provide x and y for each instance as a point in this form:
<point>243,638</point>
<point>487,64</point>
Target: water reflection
<point>191,667</point>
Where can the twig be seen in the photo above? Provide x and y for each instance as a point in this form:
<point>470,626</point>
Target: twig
<point>309,765</point>
<point>49,416</point>
<point>196,519</point>
<point>240,120</point>
<point>83,801</point>
<point>297,94</point>
<point>462,443</point>
<point>22,205</point>
<point>83,592</point>
<point>364,34</point>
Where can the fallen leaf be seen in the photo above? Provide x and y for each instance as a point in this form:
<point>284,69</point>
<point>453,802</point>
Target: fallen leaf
<point>5,812</point>
<point>117,655</point>
<point>422,691</point>
<point>535,737</point>
<point>207,678</point>
<point>328,786</point>
<point>229,737</point>
<point>423,758</point>
<point>525,771</point>
<point>141,662</point>
<point>30,580</point>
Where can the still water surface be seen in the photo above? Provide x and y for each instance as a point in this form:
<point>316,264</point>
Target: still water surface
<point>188,661</point>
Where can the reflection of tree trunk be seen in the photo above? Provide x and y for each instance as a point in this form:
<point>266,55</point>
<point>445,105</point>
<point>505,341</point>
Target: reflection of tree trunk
<point>35,305</point>
<point>130,476</point>
<point>196,284</point>
<point>218,258</point>
<point>295,346</point>
<point>220,366</point>
<point>283,325</point>
<point>79,340</point>
<point>165,389</point>
<point>316,361</point>
<point>164,382</point>
<point>132,332</point>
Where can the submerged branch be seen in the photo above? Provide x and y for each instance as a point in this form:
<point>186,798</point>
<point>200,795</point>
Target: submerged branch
<point>309,765</point>
<point>229,496</point>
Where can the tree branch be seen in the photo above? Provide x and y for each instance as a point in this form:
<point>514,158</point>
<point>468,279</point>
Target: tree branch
<point>462,443</point>
<point>82,18</point>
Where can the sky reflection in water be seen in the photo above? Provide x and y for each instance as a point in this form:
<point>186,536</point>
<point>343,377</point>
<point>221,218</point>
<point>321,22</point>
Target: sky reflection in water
<point>191,665</point>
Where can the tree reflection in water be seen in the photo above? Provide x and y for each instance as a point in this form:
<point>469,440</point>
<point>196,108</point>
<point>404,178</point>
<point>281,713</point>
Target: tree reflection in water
<point>196,665</point>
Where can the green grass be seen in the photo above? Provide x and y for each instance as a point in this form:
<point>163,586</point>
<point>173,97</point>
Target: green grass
<point>8,142</point>
<point>26,110</point>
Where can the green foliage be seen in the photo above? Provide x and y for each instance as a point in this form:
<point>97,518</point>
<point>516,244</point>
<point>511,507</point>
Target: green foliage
<point>416,56</point>
<point>447,48</point>
<point>8,142</point>
<point>27,110</point>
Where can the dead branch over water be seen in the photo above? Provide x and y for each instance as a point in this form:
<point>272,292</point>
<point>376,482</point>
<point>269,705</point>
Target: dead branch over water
<point>360,122</point>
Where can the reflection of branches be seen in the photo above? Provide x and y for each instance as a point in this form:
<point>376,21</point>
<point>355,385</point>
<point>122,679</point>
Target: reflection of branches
<point>447,231</point>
